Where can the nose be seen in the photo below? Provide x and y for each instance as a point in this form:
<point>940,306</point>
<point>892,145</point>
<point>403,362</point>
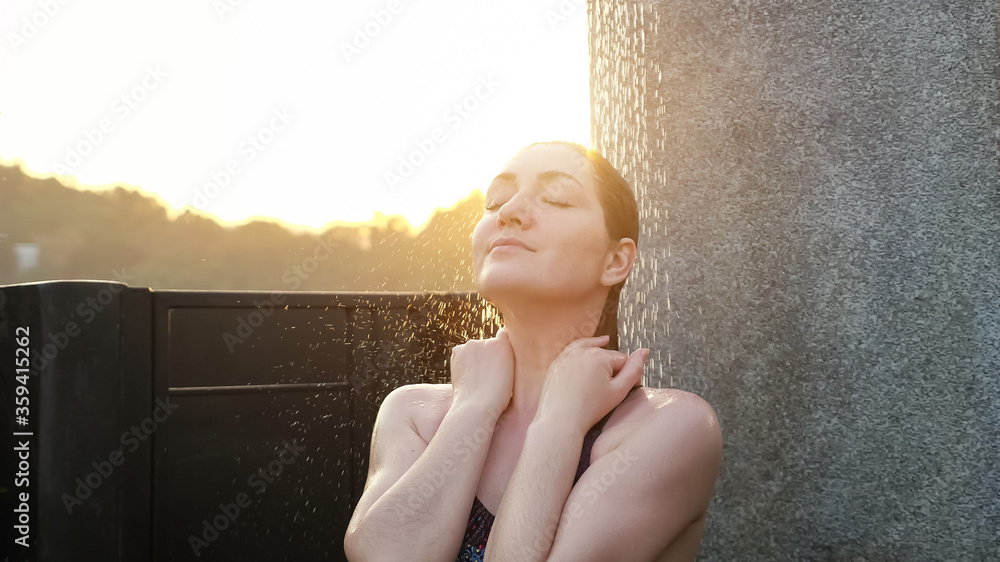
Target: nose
<point>514,211</point>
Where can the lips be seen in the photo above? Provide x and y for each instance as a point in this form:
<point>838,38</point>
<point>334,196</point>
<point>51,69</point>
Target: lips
<point>509,242</point>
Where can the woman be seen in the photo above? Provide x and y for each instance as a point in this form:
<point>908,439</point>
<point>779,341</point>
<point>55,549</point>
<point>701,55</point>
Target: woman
<point>544,443</point>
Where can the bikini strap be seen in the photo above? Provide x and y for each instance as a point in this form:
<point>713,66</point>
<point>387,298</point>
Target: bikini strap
<point>591,437</point>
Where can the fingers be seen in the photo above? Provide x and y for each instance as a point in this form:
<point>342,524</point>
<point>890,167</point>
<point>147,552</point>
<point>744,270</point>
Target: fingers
<point>631,372</point>
<point>592,341</point>
<point>502,335</point>
<point>617,361</point>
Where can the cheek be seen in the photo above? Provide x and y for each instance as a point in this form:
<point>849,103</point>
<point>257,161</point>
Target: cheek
<point>577,266</point>
<point>583,255</point>
<point>480,239</point>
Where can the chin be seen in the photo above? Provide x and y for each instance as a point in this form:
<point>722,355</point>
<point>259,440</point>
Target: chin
<point>511,290</point>
<point>497,287</point>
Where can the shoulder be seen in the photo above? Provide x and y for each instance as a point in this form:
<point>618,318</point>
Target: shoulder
<point>652,476</point>
<point>665,422</point>
<point>420,393</point>
<point>676,436</point>
<point>675,407</point>
<point>421,405</point>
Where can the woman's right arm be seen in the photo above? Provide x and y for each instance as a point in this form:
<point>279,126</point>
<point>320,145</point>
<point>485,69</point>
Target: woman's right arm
<point>418,495</point>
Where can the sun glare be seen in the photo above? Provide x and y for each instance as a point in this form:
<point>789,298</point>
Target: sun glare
<point>314,114</point>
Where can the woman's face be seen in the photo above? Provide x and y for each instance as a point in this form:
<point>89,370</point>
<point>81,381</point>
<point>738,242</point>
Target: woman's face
<point>546,199</point>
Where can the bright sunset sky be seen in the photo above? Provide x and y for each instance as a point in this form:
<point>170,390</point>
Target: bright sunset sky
<point>297,110</point>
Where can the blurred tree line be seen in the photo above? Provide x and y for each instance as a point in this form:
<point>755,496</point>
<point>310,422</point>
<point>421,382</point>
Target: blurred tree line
<point>84,234</point>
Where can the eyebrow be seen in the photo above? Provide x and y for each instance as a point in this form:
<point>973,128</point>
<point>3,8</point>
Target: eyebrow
<point>547,175</point>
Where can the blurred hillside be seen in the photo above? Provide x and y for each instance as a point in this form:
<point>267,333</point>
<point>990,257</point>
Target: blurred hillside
<point>84,234</point>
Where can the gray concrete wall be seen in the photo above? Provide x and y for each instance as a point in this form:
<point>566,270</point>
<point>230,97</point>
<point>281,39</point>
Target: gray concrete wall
<point>820,201</point>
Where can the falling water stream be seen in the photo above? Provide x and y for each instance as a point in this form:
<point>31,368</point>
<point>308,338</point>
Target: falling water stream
<point>619,77</point>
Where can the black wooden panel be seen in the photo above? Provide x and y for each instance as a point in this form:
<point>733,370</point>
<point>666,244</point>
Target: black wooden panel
<point>74,419</point>
<point>313,374</point>
<point>136,387</point>
<point>249,383</point>
<point>220,445</point>
<point>268,345</point>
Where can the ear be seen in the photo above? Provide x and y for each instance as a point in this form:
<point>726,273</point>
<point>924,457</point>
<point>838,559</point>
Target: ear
<point>618,262</point>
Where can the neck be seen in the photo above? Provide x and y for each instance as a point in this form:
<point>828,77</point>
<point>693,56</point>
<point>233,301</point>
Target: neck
<point>538,333</point>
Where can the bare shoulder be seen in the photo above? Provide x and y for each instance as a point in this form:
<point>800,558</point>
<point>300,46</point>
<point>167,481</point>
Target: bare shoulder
<point>668,443</point>
<point>648,415</point>
<point>423,405</point>
<point>669,404</point>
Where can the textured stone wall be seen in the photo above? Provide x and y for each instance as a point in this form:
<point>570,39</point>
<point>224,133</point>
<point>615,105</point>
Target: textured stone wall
<point>820,259</point>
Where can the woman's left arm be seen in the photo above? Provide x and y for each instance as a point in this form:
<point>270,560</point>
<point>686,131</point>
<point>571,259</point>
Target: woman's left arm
<point>532,505</point>
<point>629,505</point>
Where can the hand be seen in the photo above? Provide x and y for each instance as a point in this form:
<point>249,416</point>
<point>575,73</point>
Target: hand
<point>585,382</point>
<point>482,372</point>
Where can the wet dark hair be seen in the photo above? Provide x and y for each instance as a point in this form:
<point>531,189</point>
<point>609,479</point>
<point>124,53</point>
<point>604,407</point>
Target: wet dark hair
<point>621,218</point>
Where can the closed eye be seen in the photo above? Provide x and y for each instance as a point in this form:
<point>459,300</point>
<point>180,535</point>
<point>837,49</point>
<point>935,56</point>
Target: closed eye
<point>496,206</point>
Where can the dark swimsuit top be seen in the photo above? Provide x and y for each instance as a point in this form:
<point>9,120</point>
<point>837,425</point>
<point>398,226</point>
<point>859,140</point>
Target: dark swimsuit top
<point>477,532</point>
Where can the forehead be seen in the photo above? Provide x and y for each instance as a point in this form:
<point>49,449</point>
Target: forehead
<point>539,159</point>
